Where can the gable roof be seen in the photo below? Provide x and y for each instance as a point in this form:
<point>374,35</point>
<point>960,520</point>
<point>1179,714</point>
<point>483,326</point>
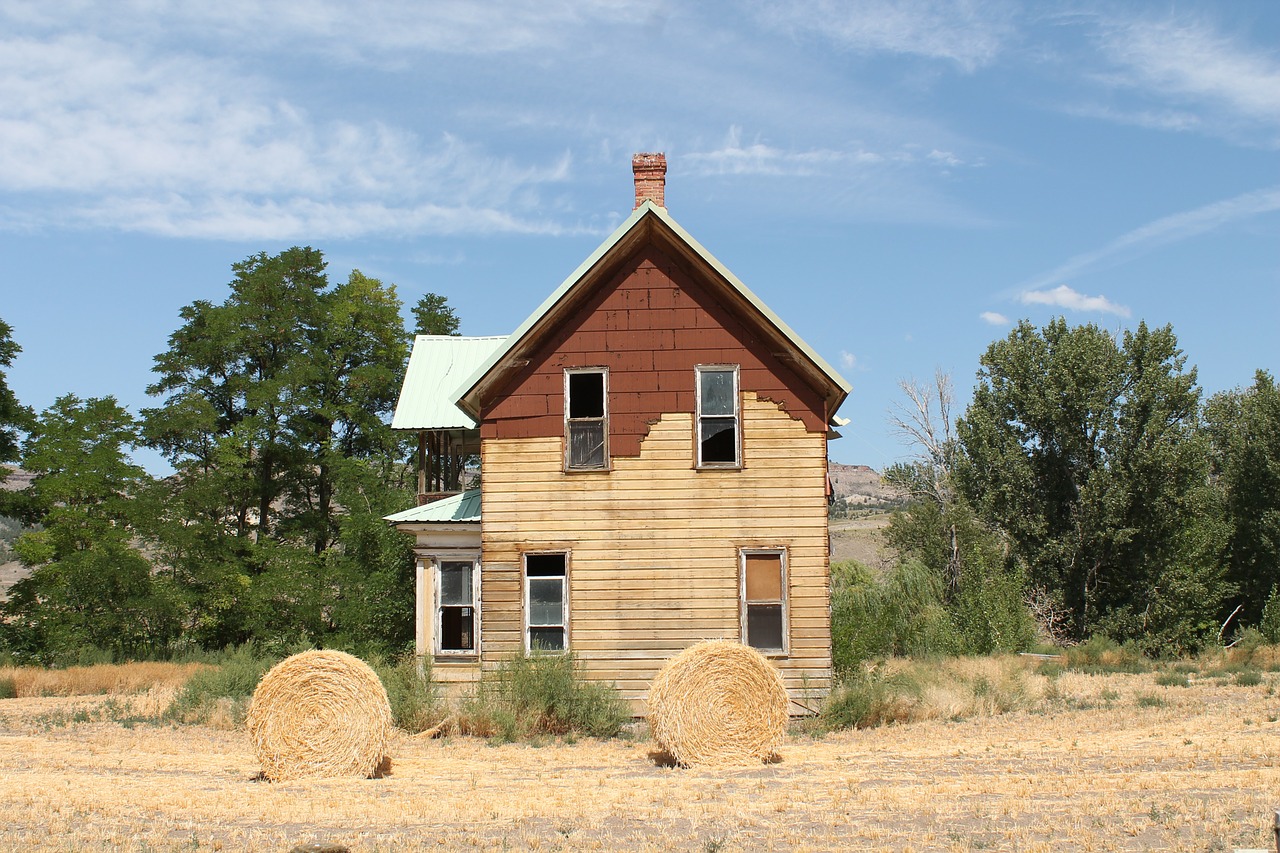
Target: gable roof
<point>646,222</point>
<point>437,366</point>
<point>464,506</point>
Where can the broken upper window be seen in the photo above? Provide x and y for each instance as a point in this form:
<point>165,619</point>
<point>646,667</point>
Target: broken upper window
<point>586,395</point>
<point>719,418</point>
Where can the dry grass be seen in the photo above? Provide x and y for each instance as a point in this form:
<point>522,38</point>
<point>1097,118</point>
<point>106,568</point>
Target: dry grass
<point>1090,765</point>
<point>121,678</point>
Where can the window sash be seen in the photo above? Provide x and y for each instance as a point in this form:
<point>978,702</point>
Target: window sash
<point>586,419</point>
<point>719,417</point>
<point>763,590</point>
<point>457,616</point>
<point>546,603</point>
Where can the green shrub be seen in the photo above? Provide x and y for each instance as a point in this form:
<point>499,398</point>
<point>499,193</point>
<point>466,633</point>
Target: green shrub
<point>224,689</point>
<point>1100,655</point>
<point>1173,679</point>
<point>865,700</point>
<point>415,702</point>
<point>542,694</point>
<point>1269,627</point>
<point>8,689</point>
<point>901,613</point>
<point>1249,678</point>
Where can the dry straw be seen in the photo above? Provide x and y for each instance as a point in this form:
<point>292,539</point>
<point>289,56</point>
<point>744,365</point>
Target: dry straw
<point>320,714</point>
<point>718,703</point>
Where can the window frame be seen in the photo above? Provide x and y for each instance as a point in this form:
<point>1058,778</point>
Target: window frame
<point>783,602</point>
<point>603,420</point>
<point>437,570</point>
<point>564,599</point>
<point>699,417</point>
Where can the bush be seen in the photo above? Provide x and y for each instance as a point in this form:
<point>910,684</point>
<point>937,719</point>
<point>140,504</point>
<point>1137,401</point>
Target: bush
<point>542,694</point>
<point>415,703</point>
<point>1269,627</point>
<point>1100,654</point>
<point>899,614</point>
<point>1173,679</point>
<point>865,700</point>
<point>220,695</point>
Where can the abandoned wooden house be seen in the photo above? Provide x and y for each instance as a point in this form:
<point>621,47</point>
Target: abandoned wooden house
<point>653,451</point>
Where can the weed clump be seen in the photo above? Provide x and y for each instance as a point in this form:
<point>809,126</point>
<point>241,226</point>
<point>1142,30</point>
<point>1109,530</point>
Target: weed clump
<point>532,695</point>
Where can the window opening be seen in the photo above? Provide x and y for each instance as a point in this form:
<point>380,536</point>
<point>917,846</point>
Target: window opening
<point>586,419</point>
<point>456,613</point>
<point>546,602</point>
<point>764,600</point>
<point>718,417</point>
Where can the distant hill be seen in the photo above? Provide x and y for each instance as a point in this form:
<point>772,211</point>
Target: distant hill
<point>860,487</point>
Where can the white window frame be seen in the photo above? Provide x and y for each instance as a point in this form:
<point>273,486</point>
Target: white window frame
<point>603,372</point>
<point>437,568</point>
<point>564,598</point>
<point>699,417</point>
<point>784,602</point>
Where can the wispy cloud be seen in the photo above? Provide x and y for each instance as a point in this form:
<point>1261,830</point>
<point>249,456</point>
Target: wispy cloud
<point>848,360</point>
<point>970,34</point>
<point>1190,63</point>
<point>95,134</point>
<point>1063,296</point>
<point>1168,229</point>
<point>994,318</point>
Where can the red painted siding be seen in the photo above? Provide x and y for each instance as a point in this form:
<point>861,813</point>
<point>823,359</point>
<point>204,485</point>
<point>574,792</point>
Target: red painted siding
<point>649,324</point>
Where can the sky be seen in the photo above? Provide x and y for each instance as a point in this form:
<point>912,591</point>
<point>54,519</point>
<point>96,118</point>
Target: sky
<point>900,181</point>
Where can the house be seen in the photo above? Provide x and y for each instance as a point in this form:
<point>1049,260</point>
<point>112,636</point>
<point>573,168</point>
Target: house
<point>653,446</point>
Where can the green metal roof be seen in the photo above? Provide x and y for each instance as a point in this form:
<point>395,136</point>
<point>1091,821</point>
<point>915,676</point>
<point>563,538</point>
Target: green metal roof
<point>461,507</point>
<point>465,390</point>
<point>437,366</point>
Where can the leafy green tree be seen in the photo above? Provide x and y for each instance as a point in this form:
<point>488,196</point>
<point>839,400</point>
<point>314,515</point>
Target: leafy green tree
<point>1244,430</point>
<point>271,396</point>
<point>433,316</point>
<point>90,585</point>
<point>14,417</point>
<point>1084,452</point>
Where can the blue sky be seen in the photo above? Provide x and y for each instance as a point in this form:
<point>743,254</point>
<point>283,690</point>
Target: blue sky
<point>900,181</point>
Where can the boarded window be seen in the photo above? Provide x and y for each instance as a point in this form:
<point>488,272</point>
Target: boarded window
<point>586,419</point>
<point>546,602</point>
<point>764,600</point>
<point>719,420</point>
<point>456,610</point>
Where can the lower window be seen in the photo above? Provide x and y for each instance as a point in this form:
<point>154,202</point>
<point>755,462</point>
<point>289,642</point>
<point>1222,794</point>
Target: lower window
<point>764,600</point>
<point>456,612</point>
<point>546,602</point>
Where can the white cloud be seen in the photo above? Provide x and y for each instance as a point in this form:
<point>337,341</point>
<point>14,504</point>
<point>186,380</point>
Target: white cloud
<point>970,34</point>
<point>1192,61</point>
<point>757,158</point>
<point>1063,296</point>
<point>92,133</point>
<point>993,318</point>
<point>848,360</point>
<point>1168,229</point>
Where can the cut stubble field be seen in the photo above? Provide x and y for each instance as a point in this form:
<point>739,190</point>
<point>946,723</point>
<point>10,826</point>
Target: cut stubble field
<point>1109,762</point>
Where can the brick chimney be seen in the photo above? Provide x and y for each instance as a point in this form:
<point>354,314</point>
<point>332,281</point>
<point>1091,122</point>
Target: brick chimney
<point>650,171</point>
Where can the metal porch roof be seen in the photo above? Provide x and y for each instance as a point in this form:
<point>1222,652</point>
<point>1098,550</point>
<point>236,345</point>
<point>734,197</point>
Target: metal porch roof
<point>437,366</point>
<point>461,507</point>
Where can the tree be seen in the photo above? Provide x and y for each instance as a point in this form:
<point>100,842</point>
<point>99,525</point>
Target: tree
<point>433,316</point>
<point>270,397</point>
<point>938,531</point>
<point>1244,430</point>
<point>14,417</point>
<point>90,585</point>
<point>1084,453</point>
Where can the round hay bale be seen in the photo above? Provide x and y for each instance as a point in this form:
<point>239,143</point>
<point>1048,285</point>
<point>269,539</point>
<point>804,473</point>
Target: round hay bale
<point>718,703</point>
<point>320,713</point>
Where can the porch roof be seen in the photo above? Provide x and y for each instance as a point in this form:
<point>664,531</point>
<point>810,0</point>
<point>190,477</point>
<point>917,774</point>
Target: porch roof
<point>462,507</point>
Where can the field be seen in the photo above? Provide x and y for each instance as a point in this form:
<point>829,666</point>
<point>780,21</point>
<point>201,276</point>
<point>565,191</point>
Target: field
<point>1093,762</point>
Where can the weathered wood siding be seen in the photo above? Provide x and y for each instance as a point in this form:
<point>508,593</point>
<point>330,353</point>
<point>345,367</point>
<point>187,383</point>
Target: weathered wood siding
<point>650,323</point>
<point>654,544</point>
